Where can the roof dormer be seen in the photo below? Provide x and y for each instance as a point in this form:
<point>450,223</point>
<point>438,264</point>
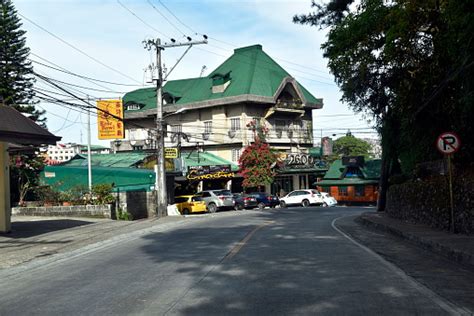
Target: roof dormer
<point>220,82</point>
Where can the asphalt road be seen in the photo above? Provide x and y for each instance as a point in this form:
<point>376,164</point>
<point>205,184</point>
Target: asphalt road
<point>283,261</point>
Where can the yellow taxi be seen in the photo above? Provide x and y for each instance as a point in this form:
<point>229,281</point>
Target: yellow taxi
<point>188,204</point>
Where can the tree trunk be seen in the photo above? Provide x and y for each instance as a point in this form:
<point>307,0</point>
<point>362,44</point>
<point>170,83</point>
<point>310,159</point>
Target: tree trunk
<point>383,184</point>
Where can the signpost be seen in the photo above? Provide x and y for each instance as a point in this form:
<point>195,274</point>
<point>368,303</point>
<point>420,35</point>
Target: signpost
<point>448,143</point>
<point>171,152</point>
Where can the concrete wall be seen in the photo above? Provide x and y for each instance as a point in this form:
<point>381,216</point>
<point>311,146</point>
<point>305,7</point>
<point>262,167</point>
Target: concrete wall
<point>140,204</point>
<point>100,211</point>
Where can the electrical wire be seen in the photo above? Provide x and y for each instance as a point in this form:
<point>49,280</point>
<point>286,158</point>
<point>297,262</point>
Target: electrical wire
<point>76,49</point>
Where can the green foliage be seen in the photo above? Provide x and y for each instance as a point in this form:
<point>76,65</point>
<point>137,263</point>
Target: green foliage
<point>351,146</point>
<point>408,64</point>
<point>24,176</point>
<point>256,164</point>
<point>123,215</point>
<point>48,194</point>
<point>16,80</point>
<point>102,194</point>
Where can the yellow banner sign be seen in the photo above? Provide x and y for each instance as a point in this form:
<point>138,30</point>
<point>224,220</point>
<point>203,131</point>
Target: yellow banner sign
<point>171,153</point>
<point>110,119</point>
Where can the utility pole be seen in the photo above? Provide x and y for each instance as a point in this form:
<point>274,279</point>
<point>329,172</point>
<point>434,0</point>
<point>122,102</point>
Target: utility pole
<point>160,183</point>
<point>89,160</point>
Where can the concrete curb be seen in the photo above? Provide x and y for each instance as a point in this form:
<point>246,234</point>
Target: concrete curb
<point>447,251</point>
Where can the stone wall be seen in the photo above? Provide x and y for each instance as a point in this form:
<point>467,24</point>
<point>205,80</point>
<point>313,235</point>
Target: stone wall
<point>427,202</point>
<point>140,204</point>
<point>99,211</point>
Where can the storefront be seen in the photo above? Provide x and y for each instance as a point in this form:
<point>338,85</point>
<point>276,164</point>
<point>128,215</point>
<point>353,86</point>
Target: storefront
<point>352,180</point>
<point>296,171</point>
<point>206,171</point>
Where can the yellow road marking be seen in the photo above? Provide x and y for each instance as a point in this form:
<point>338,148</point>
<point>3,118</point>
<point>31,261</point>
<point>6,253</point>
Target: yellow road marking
<point>242,243</point>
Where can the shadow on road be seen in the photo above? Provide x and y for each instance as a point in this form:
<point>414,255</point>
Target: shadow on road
<point>287,264</point>
<point>25,229</point>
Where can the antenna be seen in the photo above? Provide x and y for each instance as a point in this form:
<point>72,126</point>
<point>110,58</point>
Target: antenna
<point>202,70</point>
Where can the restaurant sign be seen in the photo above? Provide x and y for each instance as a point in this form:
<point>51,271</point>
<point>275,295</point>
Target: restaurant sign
<point>209,172</point>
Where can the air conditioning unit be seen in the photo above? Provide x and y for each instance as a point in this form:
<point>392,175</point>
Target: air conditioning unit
<point>232,133</point>
<point>205,136</point>
<point>279,133</point>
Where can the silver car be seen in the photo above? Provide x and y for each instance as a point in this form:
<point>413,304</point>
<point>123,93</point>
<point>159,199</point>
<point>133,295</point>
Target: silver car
<point>217,200</point>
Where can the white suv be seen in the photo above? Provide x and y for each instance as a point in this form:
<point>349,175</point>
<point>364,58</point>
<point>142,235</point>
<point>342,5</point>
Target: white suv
<point>217,199</point>
<point>304,198</point>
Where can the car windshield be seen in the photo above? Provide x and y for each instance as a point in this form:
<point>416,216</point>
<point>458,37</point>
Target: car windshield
<point>223,192</point>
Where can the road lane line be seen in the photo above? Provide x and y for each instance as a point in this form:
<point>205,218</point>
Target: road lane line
<point>440,301</point>
<point>242,243</point>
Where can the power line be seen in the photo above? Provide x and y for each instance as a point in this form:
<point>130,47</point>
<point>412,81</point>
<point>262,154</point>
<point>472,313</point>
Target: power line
<point>76,49</point>
<point>141,20</point>
<point>164,16</point>
<point>84,77</point>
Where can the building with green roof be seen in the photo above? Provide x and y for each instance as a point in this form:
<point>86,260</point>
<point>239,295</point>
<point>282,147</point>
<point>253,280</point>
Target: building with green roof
<point>215,110</point>
<point>352,179</point>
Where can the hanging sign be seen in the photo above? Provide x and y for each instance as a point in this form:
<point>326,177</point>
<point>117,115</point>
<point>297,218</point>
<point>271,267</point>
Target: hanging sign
<point>110,119</point>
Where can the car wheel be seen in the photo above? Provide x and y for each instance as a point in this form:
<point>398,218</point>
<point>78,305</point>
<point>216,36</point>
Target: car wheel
<point>186,211</point>
<point>212,208</point>
<point>238,207</point>
<point>305,203</point>
<point>325,204</point>
<point>282,204</point>
<point>261,206</point>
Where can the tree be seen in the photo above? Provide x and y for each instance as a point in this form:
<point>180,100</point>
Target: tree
<point>408,65</point>
<point>16,80</point>
<point>24,171</point>
<point>351,146</point>
<point>257,159</point>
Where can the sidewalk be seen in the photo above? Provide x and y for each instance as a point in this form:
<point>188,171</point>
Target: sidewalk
<point>39,237</point>
<point>459,248</point>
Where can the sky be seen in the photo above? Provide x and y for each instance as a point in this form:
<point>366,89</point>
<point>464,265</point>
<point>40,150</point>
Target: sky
<point>102,40</point>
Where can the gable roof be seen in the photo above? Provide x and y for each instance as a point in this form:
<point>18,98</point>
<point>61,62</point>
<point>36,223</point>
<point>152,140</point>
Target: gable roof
<point>254,75</point>
<point>370,174</point>
<point>17,128</point>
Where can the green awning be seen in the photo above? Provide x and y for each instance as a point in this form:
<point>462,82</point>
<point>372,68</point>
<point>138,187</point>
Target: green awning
<point>195,158</point>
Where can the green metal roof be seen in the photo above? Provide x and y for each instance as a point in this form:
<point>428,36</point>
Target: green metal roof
<point>346,181</point>
<point>251,71</point>
<point>370,174</point>
<point>206,159</point>
<point>94,147</point>
<point>119,160</point>
<point>124,179</point>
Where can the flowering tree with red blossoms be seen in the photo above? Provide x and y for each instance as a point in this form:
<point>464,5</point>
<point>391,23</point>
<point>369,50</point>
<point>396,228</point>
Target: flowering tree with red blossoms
<point>257,159</point>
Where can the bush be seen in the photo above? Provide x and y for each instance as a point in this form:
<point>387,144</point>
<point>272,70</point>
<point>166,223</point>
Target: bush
<point>102,194</point>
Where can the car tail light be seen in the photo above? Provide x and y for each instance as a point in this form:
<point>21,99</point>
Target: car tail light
<point>269,198</point>
<point>247,199</point>
<point>222,197</point>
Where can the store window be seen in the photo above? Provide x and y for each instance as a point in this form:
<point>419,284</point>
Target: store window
<point>235,155</point>
<point>360,190</point>
<point>343,191</point>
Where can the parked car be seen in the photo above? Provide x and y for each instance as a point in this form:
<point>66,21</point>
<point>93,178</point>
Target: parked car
<point>188,204</point>
<point>217,200</point>
<point>304,198</point>
<point>328,199</point>
<point>265,199</point>
<point>244,201</point>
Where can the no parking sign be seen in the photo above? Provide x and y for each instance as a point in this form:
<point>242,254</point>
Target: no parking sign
<point>448,143</point>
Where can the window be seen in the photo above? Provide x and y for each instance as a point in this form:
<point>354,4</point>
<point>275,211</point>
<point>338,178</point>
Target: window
<point>176,129</point>
<point>208,127</point>
<point>343,191</point>
<point>280,126</point>
<point>235,155</point>
<point>360,190</point>
<point>235,124</point>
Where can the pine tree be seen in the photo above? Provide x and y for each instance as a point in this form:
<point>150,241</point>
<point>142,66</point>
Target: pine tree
<point>16,80</point>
